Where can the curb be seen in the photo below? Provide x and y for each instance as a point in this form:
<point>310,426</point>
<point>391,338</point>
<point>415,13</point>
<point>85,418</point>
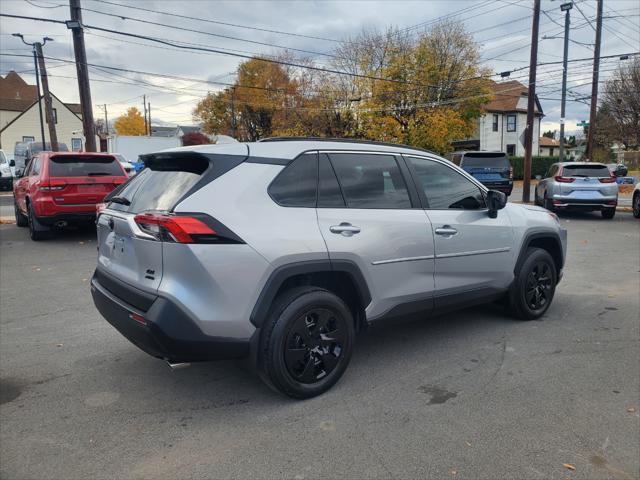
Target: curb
<point>7,220</point>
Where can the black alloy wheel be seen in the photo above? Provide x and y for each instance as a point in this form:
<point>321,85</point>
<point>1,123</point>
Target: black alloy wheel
<point>314,345</point>
<point>539,286</point>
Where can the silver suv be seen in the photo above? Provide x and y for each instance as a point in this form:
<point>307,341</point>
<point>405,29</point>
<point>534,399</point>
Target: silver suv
<point>578,186</point>
<point>284,249</point>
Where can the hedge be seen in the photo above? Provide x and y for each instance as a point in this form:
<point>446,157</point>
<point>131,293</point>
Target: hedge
<point>539,166</point>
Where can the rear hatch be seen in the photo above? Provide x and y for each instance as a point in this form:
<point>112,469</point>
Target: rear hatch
<point>77,180</point>
<point>587,182</point>
<point>487,167</point>
<point>130,249</point>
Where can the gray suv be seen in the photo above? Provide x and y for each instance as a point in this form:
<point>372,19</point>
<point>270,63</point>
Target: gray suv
<point>283,250</point>
<point>578,186</point>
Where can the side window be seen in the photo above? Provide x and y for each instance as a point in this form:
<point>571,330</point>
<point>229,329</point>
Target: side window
<point>446,188</point>
<point>370,181</point>
<point>511,123</point>
<point>511,149</point>
<point>494,125</point>
<point>27,169</point>
<point>296,185</point>
<point>35,167</point>
<point>329,194</point>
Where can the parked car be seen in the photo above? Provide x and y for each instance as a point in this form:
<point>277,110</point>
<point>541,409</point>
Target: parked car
<point>578,186</point>
<point>128,166</point>
<point>492,169</point>
<point>636,200</point>
<point>618,169</point>
<point>20,156</point>
<point>60,188</point>
<point>6,172</point>
<point>282,250</point>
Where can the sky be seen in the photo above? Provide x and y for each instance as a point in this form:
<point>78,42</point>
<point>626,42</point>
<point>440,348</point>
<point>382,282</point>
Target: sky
<point>502,28</point>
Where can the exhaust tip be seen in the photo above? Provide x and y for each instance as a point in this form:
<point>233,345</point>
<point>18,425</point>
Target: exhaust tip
<point>177,366</point>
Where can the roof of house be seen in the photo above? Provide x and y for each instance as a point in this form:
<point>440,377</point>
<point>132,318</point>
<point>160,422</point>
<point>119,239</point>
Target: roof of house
<point>16,95</point>
<point>548,142</point>
<point>506,96</point>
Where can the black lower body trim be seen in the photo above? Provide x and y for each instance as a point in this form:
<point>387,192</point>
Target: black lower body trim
<point>68,217</point>
<point>165,331</point>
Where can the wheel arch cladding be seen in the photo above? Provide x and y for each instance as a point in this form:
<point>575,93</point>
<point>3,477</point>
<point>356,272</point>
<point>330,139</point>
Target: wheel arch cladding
<point>343,278</point>
<point>549,241</point>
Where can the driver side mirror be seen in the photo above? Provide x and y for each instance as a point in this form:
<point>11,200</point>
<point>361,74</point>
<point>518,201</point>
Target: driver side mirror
<point>12,163</point>
<point>495,201</point>
<point>19,172</point>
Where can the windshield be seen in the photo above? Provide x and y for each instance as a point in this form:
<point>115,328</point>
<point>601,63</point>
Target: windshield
<point>36,147</point>
<point>487,159</point>
<point>597,170</point>
<point>84,166</point>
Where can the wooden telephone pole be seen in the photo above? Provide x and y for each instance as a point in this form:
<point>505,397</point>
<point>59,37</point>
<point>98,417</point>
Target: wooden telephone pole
<point>531,104</point>
<point>75,24</point>
<point>594,84</point>
<point>48,103</point>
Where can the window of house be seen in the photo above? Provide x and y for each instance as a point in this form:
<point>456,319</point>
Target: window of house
<point>511,149</point>
<point>296,185</point>
<point>511,123</point>
<point>370,181</point>
<point>445,188</point>
<point>494,126</point>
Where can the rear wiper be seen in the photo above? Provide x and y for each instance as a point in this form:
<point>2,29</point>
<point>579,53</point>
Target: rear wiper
<point>121,201</point>
<point>98,174</point>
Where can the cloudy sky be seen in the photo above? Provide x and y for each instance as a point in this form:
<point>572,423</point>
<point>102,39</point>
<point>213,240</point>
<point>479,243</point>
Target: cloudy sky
<point>310,29</point>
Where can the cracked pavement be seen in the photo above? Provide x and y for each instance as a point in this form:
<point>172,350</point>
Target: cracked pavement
<point>473,394</point>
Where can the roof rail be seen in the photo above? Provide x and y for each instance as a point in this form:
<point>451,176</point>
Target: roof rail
<point>344,140</point>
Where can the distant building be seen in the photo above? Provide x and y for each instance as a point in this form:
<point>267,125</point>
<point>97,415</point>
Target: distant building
<point>20,117</point>
<point>549,147</point>
<point>501,127</point>
<point>177,131</point>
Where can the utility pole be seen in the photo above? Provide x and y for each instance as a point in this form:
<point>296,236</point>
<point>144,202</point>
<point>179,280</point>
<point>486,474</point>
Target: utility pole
<point>594,84</point>
<point>144,107</point>
<point>149,113</point>
<point>35,67</point>
<point>106,120</point>
<point>48,103</point>
<point>75,24</point>
<point>233,112</point>
<point>531,104</point>
<point>565,7</point>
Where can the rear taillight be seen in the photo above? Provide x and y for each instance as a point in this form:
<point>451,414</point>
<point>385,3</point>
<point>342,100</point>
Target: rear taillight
<point>564,179</point>
<point>607,180</point>
<point>191,228</point>
<point>54,185</point>
<point>510,173</point>
<point>119,181</point>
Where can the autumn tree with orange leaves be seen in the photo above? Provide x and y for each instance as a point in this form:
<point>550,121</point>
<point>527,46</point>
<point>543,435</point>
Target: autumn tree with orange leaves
<point>131,123</point>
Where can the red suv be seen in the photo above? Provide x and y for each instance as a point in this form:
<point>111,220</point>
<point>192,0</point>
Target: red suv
<point>59,188</point>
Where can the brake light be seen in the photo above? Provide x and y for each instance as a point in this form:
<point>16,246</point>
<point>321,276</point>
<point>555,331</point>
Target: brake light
<point>510,173</point>
<point>138,318</point>
<point>564,179</point>
<point>54,185</point>
<point>172,228</point>
<point>119,181</point>
<point>607,180</point>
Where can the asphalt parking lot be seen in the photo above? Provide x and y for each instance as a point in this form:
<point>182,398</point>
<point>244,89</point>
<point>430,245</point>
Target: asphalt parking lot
<point>473,394</point>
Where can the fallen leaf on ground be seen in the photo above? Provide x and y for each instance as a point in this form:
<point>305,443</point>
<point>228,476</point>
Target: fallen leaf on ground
<point>631,409</point>
<point>453,472</point>
<point>468,444</point>
<point>59,345</point>
<point>568,466</point>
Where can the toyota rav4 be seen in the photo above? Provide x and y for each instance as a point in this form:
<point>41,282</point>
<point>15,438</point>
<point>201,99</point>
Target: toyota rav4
<point>283,250</point>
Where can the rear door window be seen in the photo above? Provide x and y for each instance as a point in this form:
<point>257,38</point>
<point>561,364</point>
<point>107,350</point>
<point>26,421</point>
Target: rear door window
<point>84,166</point>
<point>480,160</point>
<point>585,171</point>
<point>159,186</point>
<point>370,180</point>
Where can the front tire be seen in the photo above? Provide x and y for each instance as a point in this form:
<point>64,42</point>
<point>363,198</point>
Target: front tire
<point>535,285</point>
<point>608,213</point>
<point>307,342</point>
<point>548,204</point>
<point>636,205</point>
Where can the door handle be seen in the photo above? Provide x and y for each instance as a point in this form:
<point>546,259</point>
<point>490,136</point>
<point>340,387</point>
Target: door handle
<point>345,229</point>
<point>446,231</point>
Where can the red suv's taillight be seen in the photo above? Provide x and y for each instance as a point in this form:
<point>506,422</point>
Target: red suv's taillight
<point>192,228</point>
<point>564,179</point>
<point>54,185</point>
<point>607,180</point>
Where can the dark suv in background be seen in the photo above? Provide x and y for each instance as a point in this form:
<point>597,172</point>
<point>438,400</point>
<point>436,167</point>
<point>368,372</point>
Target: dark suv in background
<point>492,169</point>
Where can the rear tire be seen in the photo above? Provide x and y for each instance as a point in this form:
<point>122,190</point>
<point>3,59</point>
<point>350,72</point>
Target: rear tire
<point>307,342</point>
<point>636,205</point>
<point>36,232</point>
<point>21,220</point>
<point>608,213</point>
<point>548,204</point>
<point>534,286</point>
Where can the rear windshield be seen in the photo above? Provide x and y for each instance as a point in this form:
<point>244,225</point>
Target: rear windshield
<point>159,186</point>
<point>585,171</point>
<point>37,147</point>
<point>84,166</point>
<point>485,160</point>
